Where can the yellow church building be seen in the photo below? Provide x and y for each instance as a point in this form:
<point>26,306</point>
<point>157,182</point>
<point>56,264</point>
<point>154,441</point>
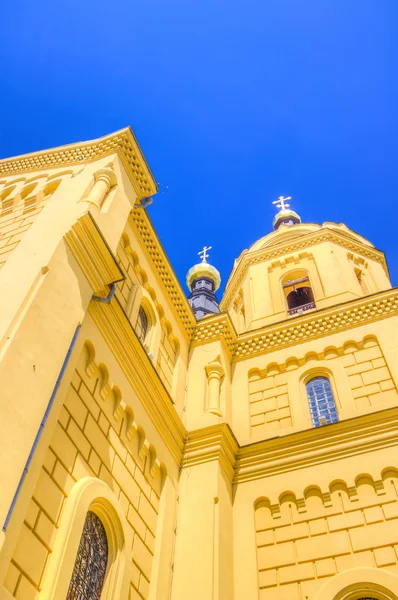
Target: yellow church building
<point>159,447</point>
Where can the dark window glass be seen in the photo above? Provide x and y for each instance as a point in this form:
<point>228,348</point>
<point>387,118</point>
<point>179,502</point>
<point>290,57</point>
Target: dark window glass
<point>300,297</point>
<point>90,566</point>
<point>321,401</point>
<point>141,327</point>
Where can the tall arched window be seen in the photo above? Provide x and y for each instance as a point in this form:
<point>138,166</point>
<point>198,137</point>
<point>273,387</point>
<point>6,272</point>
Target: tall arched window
<point>91,561</point>
<point>321,401</point>
<point>141,326</point>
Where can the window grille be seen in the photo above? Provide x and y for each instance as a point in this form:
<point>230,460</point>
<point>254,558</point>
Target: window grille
<point>321,401</point>
<point>90,566</point>
<point>141,327</point>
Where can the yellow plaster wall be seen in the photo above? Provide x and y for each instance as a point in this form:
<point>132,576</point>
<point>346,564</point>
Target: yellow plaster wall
<point>165,340</point>
<point>302,541</point>
<point>89,440</point>
<point>364,370</point>
<point>286,532</point>
<point>167,358</point>
<point>22,199</point>
<point>330,268</point>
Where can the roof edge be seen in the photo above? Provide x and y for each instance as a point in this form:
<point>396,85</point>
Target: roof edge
<point>123,142</point>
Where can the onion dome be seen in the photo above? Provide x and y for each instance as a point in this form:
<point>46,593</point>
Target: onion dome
<point>285,216</point>
<point>203,280</point>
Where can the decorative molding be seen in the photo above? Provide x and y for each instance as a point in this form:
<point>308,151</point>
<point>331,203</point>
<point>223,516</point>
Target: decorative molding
<point>325,235</point>
<point>214,443</point>
<point>216,327</point>
<point>317,324</point>
<point>296,330</point>
<point>122,142</point>
<point>92,253</point>
<point>290,452</point>
<point>145,233</point>
<point>140,372</point>
<point>317,446</point>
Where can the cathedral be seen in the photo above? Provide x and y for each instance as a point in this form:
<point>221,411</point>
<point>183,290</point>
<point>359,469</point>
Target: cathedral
<point>164,445</point>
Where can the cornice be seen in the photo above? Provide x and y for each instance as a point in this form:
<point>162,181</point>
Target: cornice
<point>296,330</point>
<point>146,235</point>
<point>92,253</point>
<point>216,327</point>
<point>214,443</point>
<point>317,324</point>
<point>311,447</point>
<point>317,446</point>
<point>310,239</point>
<point>122,142</point>
<point>141,374</point>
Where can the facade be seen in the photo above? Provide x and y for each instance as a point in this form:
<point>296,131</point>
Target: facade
<point>250,452</point>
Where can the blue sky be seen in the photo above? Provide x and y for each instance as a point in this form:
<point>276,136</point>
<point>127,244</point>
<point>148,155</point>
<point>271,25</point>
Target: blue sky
<point>233,103</point>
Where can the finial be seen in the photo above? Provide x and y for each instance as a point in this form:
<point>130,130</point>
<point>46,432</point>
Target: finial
<point>281,202</point>
<point>285,216</point>
<point>203,253</point>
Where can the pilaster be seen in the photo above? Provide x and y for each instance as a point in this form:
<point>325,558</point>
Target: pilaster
<point>203,562</point>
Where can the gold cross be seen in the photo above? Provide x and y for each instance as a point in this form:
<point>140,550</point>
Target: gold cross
<point>281,202</point>
<point>203,253</point>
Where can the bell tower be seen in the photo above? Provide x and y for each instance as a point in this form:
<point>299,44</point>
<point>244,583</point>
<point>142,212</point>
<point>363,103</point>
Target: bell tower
<point>299,268</point>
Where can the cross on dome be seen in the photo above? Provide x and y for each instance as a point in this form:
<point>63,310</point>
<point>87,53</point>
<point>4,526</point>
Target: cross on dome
<point>203,253</point>
<point>282,202</point>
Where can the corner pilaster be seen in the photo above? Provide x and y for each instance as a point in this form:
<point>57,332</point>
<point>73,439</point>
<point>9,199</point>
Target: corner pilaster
<point>204,533</point>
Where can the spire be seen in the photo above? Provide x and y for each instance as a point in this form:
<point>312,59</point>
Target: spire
<point>285,216</point>
<point>203,280</point>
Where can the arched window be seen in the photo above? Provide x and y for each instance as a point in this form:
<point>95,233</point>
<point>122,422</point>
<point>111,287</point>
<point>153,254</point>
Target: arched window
<point>141,326</point>
<point>321,401</point>
<point>298,292</point>
<point>91,561</point>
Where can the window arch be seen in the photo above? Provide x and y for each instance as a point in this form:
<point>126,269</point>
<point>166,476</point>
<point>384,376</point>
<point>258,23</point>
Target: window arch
<point>321,401</point>
<point>298,292</point>
<point>91,561</point>
<point>90,495</point>
<point>142,324</point>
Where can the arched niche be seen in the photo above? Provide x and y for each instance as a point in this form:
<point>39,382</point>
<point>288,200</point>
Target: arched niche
<point>90,494</point>
<point>355,584</point>
<point>298,291</point>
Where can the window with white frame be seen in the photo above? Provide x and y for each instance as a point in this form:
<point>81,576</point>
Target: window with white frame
<point>321,401</point>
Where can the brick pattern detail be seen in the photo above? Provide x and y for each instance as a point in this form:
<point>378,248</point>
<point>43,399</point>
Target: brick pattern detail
<point>301,329</point>
<point>369,377</point>
<point>121,142</point>
<point>17,214</point>
<point>215,328</point>
<point>169,344</point>
<point>269,404</point>
<point>367,372</point>
<point>144,230</point>
<point>127,264</point>
<point>317,325</point>
<point>88,441</point>
<point>303,542</point>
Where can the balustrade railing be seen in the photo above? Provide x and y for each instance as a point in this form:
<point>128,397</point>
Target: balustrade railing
<point>300,309</point>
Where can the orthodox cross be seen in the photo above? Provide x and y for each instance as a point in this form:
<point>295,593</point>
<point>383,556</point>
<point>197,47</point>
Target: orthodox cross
<point>203,253</point>
<point>282,202</point>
